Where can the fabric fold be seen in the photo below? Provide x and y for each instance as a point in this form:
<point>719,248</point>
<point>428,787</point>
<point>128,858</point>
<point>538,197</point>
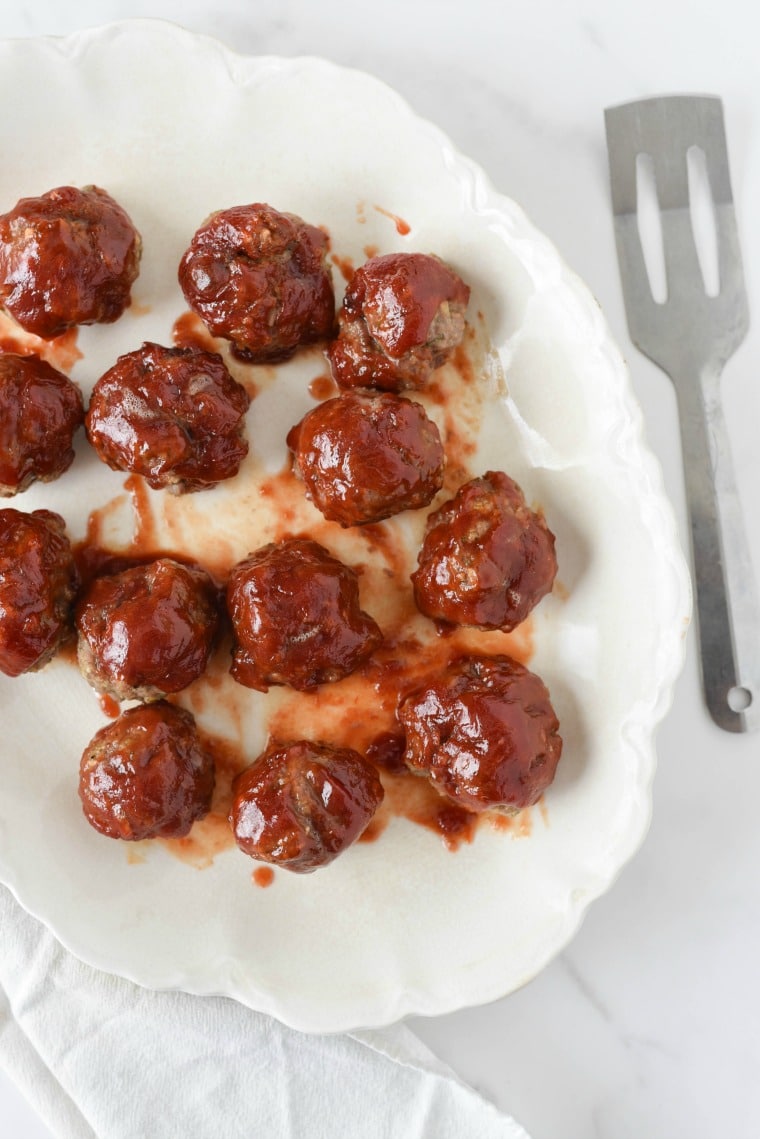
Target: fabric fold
<point>102,1058</point>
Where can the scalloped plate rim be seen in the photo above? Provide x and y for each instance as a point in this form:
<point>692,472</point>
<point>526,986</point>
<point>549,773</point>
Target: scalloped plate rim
<point>638,729</point>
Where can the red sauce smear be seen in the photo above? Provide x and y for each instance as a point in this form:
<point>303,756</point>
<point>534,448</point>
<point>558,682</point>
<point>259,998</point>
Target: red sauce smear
<point>139,308</point>
<point>61,352</point>
<point>109,706</point>
<point>344,265</point>
<point>94,556</point>
<point>323,387</point>
<point>212,834</point>
<point>402,226</point>
<point>189,331</point>
<point>145,535</point>
<point>460,417</point>
<point>413,798</point>
<point>285,491</point>
<point>263,876</point>
<point>360,712</point>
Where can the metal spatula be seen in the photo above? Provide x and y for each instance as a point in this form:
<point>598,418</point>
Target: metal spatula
<point>691,335</point>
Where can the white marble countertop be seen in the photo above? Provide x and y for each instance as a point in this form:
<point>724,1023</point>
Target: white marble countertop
<point>647,1025</point>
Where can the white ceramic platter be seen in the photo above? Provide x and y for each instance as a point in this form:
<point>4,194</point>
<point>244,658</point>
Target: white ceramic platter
<point>175,126</point>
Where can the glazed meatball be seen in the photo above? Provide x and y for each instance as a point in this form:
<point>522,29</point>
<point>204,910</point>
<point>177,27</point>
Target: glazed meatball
<point>365,456</point>
<point>69,257</point>
<point>40,410</point>
<point>148,630</point>
<point>38,581</point>
<point>402,317</point>
<point>301,804</point>
<point>259,278</point>
<point>487,558</point>
<point>173,415</point>
<point>484,732</point>
<point>296,618</point>
<point>146,775</point>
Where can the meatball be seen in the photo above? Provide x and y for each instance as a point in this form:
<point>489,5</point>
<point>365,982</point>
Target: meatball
<point>146,775</point>
<point>260,278</point>
<point>173,415</point>
<point>365,456</point>
<point>296,618</point>
<point>402,317</point>
<point>69,257</point>
<point>487,558</point>
<point>38,581</point>
<point>40,410</point>
<point>299,805</point>
<point>148,630</point>
<point>484,732</point>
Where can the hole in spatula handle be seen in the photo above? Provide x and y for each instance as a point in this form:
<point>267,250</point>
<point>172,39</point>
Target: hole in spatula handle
<point>739,699</point>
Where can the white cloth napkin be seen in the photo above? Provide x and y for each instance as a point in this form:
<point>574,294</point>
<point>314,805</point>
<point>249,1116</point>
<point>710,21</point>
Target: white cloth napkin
<point>101,1058</point>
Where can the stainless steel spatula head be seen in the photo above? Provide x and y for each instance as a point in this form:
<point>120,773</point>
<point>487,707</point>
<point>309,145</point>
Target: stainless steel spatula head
<point>690,329</point>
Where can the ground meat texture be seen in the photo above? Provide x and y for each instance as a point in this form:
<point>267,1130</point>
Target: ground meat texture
<point>364,456</point>
<point>68,257</point>
<point>148,630</point>
<point>402,317</point>
<point>484,732</point>
<point>296,617</point>
<point>260,278</point>
<point>146,775</point>
<point>38,581</point>
<point>40,410</point>
<point>173,415</point>
<point>301,804</point>
<point>487,558</point>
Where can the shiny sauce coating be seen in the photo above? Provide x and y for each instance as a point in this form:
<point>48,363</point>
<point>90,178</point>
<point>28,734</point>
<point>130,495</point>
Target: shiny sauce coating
<point>258,278</point>
<point>40,412</point>
<point>485,732</point>
<point>146,774</point>
<point>173,415</point>
<point>300,804</point>
<point>358,711</point>
<point>487,558</point>
<point>401,318</point>
<point>296,617</point>
<point>38,582</point>
<point>365,456</point>
<point>148,630</point>
<point>67,257</point>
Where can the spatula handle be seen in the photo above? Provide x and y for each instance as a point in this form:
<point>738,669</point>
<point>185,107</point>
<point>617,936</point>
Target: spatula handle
<point>728,609</point>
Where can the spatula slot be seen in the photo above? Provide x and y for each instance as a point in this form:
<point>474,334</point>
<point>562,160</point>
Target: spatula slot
<point>650,227</point>
<point>703,224</point>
